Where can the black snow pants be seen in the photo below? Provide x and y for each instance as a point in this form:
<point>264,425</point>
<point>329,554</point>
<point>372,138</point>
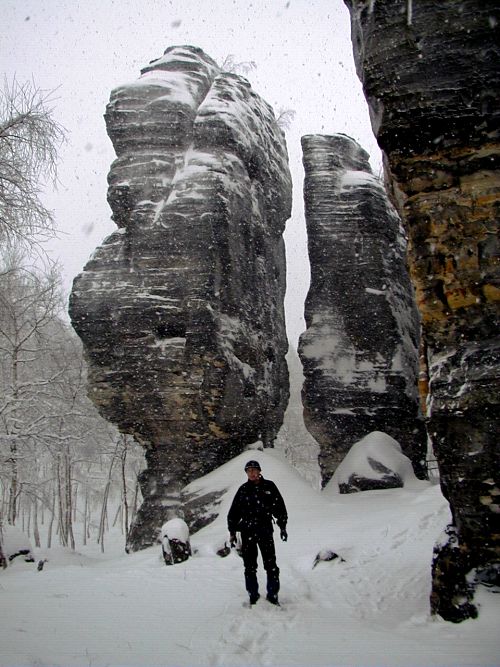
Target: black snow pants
<point>250,543</point>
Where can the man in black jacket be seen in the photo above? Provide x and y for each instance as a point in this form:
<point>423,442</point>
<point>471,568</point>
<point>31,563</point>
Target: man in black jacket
<point>255,504</point>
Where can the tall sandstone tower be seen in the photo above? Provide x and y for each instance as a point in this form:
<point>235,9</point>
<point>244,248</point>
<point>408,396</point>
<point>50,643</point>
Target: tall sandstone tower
<point>431,76</point>
<point>360,349</point>
<point>181,309</point>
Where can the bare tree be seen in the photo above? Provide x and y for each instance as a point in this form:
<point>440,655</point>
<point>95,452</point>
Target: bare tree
<point>104,509</point>
<point>30,138</point>
<point>3,557</point>
<point>29,303</point>
<point>231,66</point>
<point>57,455</point>
<point>285,118</point>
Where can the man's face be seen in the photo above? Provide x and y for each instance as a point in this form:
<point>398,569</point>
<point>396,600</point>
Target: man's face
<point>253,474</point>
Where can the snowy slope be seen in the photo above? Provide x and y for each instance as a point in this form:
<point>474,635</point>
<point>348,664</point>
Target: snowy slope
<point>372,609</point>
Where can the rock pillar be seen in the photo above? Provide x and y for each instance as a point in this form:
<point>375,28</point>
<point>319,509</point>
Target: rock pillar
<point>360,350</point>
<point>181,309</point>
<point>431,76</point>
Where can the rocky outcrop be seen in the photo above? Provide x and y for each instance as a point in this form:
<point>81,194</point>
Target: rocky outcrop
<point>360,349</point>
<point>431,75</point>
<point>375,462</point>
<point>181,309</point>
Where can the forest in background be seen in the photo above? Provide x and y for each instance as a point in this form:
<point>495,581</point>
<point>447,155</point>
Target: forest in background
<point>61,464</point>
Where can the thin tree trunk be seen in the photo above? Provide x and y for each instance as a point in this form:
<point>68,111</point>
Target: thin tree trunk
<point>29,520</point>
<point>42,508</point>
<point>102,524</point>
<point>36,532</point>
<point>3,558</point>
<point>134,504</point>
<point>118,516</point>
<point>14,461</point>
<point>89,521</point>
<point>12,514</point>
<point>85,516</point>
<point>75,501</point>
<point>69,502</point>
<point>63,538</point>
<point>124,483</point>
<point>52,514</point>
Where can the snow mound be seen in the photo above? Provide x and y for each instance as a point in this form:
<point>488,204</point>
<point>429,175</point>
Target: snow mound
<point>175,541</point>
<point>223,483</point>
<point>175,529</point>
<point>374,462</point>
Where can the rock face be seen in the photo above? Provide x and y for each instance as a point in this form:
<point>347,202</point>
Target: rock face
<point>431,75</point>
<point>181,309</point>
<point>360,349</point>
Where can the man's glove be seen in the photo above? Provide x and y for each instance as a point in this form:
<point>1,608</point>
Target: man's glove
<point>232,539</point>
<point>284,535</point>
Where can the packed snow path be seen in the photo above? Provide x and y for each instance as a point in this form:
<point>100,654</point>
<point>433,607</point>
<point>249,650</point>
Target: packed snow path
<point>372,609</point>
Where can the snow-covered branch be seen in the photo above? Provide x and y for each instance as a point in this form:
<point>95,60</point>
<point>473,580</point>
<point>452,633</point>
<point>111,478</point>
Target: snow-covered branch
<point>30,139</point>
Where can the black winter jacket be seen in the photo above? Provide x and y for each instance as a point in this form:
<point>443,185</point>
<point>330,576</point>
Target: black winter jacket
<point>254,507</point>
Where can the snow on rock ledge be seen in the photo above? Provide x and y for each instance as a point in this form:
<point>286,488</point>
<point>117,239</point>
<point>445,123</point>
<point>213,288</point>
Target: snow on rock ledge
<point>181,309</point>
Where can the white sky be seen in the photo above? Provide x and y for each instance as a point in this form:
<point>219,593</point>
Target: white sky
<point>303,56</point>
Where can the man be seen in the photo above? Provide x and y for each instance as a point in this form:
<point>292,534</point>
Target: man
<point>255,504</point>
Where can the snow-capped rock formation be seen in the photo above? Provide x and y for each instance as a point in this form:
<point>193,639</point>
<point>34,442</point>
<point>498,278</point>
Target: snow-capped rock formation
<point>181,309</point>
<point>375,462</point>
<point>359,351</point>
<point>431,75</point>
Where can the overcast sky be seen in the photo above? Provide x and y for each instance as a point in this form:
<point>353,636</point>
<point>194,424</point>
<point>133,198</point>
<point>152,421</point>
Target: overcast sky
<point>303,57</point>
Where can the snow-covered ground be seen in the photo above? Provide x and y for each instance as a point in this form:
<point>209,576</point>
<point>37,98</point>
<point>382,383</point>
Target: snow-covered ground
<point>86,608</point>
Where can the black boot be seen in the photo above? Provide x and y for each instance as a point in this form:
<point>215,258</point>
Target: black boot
<point>273,585</point>
<point>252,585</point>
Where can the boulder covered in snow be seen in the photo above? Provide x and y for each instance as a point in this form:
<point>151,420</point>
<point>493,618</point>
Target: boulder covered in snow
<point>375,462</point>
<point>181,310</point>
<point>16,543</point>
<point>360,349</point>
<point>175,541</point>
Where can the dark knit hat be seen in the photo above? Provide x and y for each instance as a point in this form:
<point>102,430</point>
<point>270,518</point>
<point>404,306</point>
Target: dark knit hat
<point>252,464</point>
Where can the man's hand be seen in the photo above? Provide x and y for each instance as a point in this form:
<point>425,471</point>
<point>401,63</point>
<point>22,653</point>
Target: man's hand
<point>284,535</point>
<point>232,539</point>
